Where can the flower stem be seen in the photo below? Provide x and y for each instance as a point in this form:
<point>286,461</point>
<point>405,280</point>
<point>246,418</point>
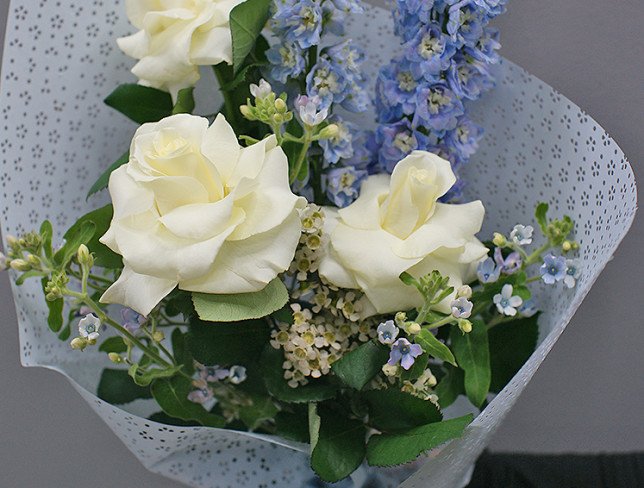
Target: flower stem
<point>297,168</point>
<point>536,255</point>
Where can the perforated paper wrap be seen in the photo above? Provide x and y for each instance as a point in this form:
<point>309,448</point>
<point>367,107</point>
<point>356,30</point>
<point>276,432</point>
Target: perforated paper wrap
<point>61,60</point>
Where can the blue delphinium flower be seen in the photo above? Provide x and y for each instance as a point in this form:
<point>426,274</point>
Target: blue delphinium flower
<point>328,82</point>
<point>299,22</point>
<point>346,60</point>
<point>396,91</point>
<point>437,107</point>
<point>287,60</point>
<point>343,185</point>
<point>506,302</point>
<point>466,22</point>
<point>465,137</point>
<point>509,265</point>
<point>430,51</point>
<point>405,353</point>
<point>410,15</point>
<point>387,332</point>
<point>553,269</point>
<point>469,78</point>
<point>340,146</point>
<point>365,152</point>
<point>488,272</point>
<point>447,47</point>
<point>395,141</point>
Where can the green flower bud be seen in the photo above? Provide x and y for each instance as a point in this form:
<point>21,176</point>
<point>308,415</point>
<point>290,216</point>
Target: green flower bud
<point>278,119</point>
<point>33,260</point>
<point>329,131</point>
<point>413,328</point>
<point>465,326</point>
<point>20,265</point>
<point>115,358</point>
<point>499,240</point>
<point>158,336</point>
<point>78,344</point>
<point>247,112</point>
<point>84,256</point>
<point>280,106</point>
<point>464,291</point>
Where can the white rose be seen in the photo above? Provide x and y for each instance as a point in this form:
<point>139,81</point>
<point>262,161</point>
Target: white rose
<point>175,38</point>
<point>397,225</point>
<point>195,210</point>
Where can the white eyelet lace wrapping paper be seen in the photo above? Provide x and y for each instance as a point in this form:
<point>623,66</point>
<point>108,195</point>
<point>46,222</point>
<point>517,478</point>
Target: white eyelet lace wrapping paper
<point>61,60</point>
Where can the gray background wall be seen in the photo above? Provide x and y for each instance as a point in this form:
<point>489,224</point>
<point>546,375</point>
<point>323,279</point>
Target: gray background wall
<point>587,397</point>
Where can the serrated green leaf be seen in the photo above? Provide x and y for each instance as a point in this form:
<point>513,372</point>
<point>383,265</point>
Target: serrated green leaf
<point>396,449</point>
<point>541,216</point>
<point>435,348</point>
<point>340,447</point>
<point>450,387</point>
<point>247,20</point>
<point>172,396</point>
<point>241,306</point>
<point>103,180</point>
<point>392,410</point>
<point>227,344</point>
<point>473,355</point>
<point>185,103</point>
<point>104,257</point>
<point>358,367</point>
<point>315,391</point>
<point>113,344</point>
<point>511,344</point>
<point>116,387</point>
<point>140,103</point>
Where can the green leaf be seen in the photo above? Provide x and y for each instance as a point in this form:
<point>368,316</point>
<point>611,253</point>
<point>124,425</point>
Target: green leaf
<point>227,344</point>
<point>181,352</point>
<point>140,103</point>
<point>473,355</point>
<point>450,387</point>
<point>315,391</point>
<point>261,409</point>
<point>511,344</point>
<point>185,101</point>
<point>314,424</point>
<point>420,364</point>
<point>392,410</point>
<point>27,275</point>
<point>541,216</point>
<point>172,396</point>
<point>340,448</point>
<point>79,233</point>
<point>104,257</point>
<point>116,387</point>
<point>47,233</point>
<point>246,23</point>
<point>241,306</point>
<point>180,303</point>
<point>103,180</point>
<point>292,426</point>
<point>408,279</point>
<point>395,449</point>
<point>113,344</point>
<point>358,368</point>
<point>434,347</point>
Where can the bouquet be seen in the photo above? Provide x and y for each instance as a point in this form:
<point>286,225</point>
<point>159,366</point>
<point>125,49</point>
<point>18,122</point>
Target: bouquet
<point>277,267</point>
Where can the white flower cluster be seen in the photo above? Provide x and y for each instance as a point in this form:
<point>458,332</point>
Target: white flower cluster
<point>326,319</point>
